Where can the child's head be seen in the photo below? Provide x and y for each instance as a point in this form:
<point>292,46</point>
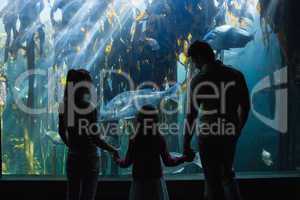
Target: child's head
<point>146,137</point>
<point>147,118</point>
<point>148,114</point>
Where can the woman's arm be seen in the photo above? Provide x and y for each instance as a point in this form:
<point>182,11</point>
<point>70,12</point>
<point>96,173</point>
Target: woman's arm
<point>101,143</point>
<point>168,160</point>
<point>96,137</point>
<point>129,157</point>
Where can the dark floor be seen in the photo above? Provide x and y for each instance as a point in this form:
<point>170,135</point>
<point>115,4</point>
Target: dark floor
<point>253,187</point>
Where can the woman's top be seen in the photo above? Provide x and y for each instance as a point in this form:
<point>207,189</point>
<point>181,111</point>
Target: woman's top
<point>145,157</point>
<point>83,136</point>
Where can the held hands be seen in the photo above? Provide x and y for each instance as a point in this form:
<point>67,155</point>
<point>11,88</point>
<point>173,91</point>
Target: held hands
<point>115,154</point>
<point>189,154</point>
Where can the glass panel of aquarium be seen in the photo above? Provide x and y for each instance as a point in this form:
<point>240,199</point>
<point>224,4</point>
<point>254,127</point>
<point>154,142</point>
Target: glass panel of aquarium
<point>127,45</point>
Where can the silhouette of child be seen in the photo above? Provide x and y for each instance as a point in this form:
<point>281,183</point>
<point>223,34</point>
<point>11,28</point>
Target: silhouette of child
<point>145,151</point>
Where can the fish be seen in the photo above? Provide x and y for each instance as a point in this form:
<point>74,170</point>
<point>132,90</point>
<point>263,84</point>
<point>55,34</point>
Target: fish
<point>127,104</point>
<point>3,91</point>
<point>227,37</point>
<point>142,16</point>
<point>54,137</point>
<point>258,7</point>
<point>190,37</point>
<point>63,81</point>
<point>82,29</point>
<point>196,160</point>
<point>111,15</point>
<point>183,58</point>
<point>153,43</point>
<point>108,48</point>
<point>193,167</point>
<point>120,71</point>
<point>133,31</point>
<point>179,42</point>
<point>266,158</point>
<point>233,20</point>
<point>241,13</point>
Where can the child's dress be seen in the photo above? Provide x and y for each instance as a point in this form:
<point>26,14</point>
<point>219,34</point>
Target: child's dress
<point>148,182</point>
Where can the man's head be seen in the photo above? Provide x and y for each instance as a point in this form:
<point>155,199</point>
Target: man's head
<point>201,53</point>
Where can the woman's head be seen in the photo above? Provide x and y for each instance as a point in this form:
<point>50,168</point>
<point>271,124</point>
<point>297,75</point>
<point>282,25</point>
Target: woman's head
<point>83,93</point>
<point>78,85</point>
<point>71,80</point>
<point>84,75</point>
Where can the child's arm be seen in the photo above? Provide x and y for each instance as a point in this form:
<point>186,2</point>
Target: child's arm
<point>128,159</point>
<point>168,160</point>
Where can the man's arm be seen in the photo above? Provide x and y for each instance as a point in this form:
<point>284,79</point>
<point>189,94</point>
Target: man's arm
<point>191,116</point>
<point>167,158</point>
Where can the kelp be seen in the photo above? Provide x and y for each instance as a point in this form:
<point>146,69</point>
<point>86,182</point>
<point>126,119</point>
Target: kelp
<point>272,15</point>
<point>32,163</point>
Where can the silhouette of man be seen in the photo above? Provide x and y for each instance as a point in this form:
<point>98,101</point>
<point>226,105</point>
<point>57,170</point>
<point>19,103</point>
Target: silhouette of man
<point>218,108</point>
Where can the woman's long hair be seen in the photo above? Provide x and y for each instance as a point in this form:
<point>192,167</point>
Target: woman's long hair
<point>75,77</point>
<point>71,79</point>
<point>77,97</point>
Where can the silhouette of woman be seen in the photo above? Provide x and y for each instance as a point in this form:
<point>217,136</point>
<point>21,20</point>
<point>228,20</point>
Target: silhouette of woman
<point>78,130</point>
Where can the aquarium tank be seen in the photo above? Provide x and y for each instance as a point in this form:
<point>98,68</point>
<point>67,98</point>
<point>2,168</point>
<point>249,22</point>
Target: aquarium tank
<point>136,49</point>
